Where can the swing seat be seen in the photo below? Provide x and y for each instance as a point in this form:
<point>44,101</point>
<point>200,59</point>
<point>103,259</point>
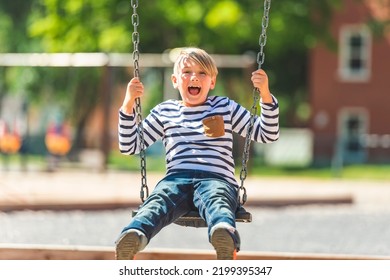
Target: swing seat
<point>193,219</point>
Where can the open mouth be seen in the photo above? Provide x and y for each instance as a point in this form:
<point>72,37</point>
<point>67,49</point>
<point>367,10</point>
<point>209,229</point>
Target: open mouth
<point>194,90</point>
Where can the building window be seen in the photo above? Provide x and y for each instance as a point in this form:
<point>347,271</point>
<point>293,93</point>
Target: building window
<point>353,143</point>
<point>352,128</point>
<point>355,53</point>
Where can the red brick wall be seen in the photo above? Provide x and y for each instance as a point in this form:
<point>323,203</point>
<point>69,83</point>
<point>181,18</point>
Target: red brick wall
<point>328,93</point>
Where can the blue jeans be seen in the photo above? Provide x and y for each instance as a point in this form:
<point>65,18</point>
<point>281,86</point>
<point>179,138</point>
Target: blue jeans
<point>180,192</point>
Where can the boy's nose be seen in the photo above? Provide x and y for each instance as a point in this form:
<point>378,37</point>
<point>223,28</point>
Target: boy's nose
<point>194,77</point>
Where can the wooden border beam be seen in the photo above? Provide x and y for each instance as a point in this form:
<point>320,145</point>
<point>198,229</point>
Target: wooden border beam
<point>49,252</point>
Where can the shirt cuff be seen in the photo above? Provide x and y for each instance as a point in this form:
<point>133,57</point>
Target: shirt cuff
<point>270,106</point>
<point>125,116</point>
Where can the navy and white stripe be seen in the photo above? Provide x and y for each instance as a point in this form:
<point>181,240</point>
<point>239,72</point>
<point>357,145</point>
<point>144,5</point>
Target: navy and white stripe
<point>181,130</point>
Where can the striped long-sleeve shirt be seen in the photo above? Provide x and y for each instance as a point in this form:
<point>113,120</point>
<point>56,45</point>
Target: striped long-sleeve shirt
<point>201,137</point>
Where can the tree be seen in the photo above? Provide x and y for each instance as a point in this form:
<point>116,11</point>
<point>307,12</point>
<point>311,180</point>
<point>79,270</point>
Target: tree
<point>105,26</point>
<point>224,26</point>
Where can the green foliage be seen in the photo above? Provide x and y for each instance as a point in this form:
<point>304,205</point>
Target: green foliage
<point>13,21</point>
<point>80,26</point>
<point>224,26</point>
<point>5,25</point>
<point>166,24</point>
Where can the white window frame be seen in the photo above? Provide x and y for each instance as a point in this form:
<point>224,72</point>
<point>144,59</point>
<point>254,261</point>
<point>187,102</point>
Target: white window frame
<point>346,53</point>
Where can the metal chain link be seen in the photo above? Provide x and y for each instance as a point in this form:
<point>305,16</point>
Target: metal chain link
<point>253,110</point>
<point>144,193</point>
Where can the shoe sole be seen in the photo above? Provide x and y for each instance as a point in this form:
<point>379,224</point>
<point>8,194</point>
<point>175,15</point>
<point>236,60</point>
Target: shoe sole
<point>128,246</point>
<point>223,244</point>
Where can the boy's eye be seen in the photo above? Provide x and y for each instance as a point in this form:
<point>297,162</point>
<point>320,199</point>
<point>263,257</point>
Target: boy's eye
<point>189,72</point>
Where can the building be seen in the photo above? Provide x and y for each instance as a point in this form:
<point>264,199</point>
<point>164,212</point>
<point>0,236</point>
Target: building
<point>350,88</point>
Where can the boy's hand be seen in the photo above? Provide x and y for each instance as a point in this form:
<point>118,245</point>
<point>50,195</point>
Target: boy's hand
<point>134,89</point>
<point>260,81</point>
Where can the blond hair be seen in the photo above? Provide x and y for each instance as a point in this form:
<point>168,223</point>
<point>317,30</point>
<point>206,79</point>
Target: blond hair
<point>200,57</point>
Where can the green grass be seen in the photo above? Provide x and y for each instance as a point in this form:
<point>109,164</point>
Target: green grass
<point>354,172</point>
<point>369,172</point>
<point>380,172</point>
<point>157,164</point>
<point>132,163</point>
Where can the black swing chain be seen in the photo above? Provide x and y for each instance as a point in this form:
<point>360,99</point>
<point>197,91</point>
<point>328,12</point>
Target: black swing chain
<point>144,193</point>
<point>253,110</point>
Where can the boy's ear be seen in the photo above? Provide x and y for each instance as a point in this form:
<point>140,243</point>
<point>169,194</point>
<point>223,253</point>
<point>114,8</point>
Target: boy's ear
<point>174,81</point>
<point>213,82</point>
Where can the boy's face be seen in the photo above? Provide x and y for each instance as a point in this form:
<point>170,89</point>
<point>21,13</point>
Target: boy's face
<point>192,82</point>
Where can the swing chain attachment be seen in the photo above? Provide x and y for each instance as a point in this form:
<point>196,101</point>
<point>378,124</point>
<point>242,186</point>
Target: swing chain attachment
<point>263,36</point>
<point>144,193</point>
<point>253,110</point>
<point>135,36</point>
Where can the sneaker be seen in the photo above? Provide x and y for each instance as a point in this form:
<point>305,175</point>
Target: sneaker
<point>223,244</point>
<point>128,245</point>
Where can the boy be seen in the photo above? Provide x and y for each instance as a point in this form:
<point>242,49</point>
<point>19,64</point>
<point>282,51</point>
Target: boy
<point>197,132</point>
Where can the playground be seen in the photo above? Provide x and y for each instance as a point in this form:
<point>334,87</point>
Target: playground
<point>76,213</point>
<point>295,219</point>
